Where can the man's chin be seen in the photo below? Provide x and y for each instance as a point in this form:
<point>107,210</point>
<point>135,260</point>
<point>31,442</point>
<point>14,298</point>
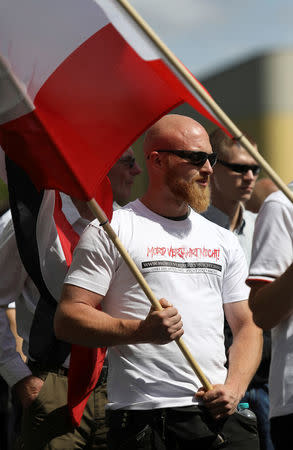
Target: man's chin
<point>195,194</point>
<point>200,207</point>
<point>200,200</point>
<point>245,197</point>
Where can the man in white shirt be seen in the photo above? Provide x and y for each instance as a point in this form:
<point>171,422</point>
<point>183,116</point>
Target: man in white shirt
<point>155,400</point>
<point>271,300</point>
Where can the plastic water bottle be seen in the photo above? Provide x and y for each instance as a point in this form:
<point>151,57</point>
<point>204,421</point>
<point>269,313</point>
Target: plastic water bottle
<point>243,409</point>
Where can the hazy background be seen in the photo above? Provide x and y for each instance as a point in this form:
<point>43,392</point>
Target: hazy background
<point>208,35</point>
<point>242,52</point>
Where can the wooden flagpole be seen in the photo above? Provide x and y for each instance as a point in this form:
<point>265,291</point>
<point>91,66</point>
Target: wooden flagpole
<point>194,84</point>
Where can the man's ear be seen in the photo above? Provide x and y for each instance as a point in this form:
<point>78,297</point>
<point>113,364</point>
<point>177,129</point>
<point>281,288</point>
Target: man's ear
<point>155,159</point>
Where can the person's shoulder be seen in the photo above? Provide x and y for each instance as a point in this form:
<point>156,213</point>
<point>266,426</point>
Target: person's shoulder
<point>275,206</point>
<point>280,198</point>
<point>216,223</point>
<point>125,211</point>
<point>210,227</point>
<point>123,218</point>
<point>217,216</point>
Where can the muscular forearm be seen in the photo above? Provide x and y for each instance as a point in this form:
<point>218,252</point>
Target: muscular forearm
<point>273,302</point>
<point>80,323</point>
<point>84,325</point>
<point>244,358</point>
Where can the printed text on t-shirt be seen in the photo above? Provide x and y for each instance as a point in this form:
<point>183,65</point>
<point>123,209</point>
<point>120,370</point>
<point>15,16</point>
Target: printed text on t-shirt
<point>182,252</point>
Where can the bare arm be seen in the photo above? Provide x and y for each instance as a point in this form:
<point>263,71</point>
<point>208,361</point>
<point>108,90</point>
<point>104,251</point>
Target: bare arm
<point>246,350</point>
<point>244,358</point>
<point>78,321</point>
<point>272,302</point>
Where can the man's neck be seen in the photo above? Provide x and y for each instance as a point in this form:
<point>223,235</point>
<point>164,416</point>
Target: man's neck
<point>165,205</point>
<point>232,210</point>
<point>236,218</point>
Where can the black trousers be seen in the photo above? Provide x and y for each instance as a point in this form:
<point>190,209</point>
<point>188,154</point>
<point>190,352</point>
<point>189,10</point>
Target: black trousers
<point>281,432</point>
<point>179,428</point>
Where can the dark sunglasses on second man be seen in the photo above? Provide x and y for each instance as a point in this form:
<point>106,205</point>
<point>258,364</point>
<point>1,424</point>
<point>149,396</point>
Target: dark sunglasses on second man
<point>195,158</point>
<point>241,168</point>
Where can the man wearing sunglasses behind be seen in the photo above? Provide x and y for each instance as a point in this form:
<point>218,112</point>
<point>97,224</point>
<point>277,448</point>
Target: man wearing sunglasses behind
<point>232,184</point>
<point>155,399</point>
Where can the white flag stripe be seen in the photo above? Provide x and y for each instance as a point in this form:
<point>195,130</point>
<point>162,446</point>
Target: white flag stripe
<point>13,103</point>
<point>141,43</point>
<point>36,36</point>
<point>191,89</point>
<point>128,28</point>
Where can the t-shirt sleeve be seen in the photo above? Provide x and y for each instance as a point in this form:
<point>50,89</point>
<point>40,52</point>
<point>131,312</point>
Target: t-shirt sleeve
<point>272,242</point>
<point>234,287</point>
<point>94,261</point>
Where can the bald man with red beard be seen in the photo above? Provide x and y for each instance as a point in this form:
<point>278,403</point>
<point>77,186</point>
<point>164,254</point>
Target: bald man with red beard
<point>155,400</point>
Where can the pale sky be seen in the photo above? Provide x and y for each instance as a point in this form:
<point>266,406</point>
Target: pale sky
<point>208,35</point>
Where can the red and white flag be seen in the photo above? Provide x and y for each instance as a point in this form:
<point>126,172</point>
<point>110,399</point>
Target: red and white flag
<point>94,82</point>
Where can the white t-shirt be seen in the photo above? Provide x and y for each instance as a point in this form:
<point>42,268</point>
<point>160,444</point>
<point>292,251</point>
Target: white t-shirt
<point>271,255</point>
<point>194,264</point>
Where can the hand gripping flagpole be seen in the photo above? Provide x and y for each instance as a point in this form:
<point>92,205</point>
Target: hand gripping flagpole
<point>196,86</point>
<point>101,216</point>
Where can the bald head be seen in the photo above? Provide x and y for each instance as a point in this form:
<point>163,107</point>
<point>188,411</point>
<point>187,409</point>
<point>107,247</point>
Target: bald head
<point>177,151</point>
<point>176,132</point>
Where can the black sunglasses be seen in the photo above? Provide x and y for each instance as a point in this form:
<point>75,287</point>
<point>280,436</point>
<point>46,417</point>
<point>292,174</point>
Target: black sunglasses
<point>195,158</point>
<point>241,168</point>
<point>128,161</point>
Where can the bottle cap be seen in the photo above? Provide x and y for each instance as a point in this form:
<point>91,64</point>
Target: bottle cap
<point>243,405</point>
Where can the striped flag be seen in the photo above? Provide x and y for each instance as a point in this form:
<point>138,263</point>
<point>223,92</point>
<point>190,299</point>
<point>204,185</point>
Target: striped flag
<point>93,83</point>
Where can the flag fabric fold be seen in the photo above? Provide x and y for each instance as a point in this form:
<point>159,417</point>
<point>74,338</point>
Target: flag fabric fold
<point>93,83</point>
<point>37,215</point>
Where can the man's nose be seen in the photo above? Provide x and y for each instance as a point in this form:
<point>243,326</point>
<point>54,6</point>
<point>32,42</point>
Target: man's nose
<point>249,175</point>
<point>207,168</point>
<point>136,170</point>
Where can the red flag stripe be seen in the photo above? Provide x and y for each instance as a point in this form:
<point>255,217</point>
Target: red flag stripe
<point>90,117</point>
